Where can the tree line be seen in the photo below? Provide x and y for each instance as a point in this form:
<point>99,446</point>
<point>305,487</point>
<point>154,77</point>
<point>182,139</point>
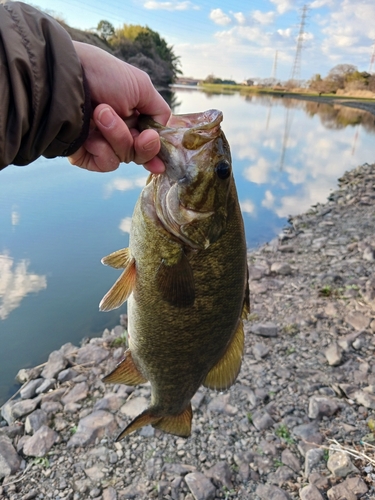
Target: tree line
<point>144,48</point>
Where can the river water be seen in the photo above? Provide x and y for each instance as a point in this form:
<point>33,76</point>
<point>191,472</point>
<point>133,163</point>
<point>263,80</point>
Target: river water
<point>57,221</point>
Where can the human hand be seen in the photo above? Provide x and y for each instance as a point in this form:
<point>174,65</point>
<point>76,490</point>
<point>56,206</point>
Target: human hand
<point>120,92</point>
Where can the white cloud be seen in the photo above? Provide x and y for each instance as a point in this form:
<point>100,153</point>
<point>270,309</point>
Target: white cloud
<point>247,206</point>
<point>172,6</point>
<point>219,17</point>
<point>240,18</point>
<point>258,173</point>
<point>263,17</point>
<point>125,224</point>
<point>124,184</point>
<point>285,33</point>
<point>284,5</point>
<point>269,200</point>
<point>16,282</point>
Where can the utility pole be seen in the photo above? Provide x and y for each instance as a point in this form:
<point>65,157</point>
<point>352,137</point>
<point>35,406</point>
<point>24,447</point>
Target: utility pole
<point>372,60</point>
<point>296,69</point>
<point>274,69</point>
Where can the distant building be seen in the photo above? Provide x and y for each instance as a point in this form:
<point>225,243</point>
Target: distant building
<point>183,80</point>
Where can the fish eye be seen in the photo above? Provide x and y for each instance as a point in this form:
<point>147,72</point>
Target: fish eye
<point>223,170</point>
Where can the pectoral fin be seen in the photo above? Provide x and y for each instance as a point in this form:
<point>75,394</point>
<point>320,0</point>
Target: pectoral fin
<point>125,372</point>
<point>225,372</point>
<point>120,290</point>
<point>176,282</point>
<point>179,425</point>
<point>119,259</point>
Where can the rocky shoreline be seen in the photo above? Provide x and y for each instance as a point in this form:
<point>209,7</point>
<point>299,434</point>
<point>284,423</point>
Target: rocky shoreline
<point>298,423</point>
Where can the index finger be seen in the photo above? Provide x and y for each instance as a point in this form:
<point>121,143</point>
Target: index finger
<point>152,103</point>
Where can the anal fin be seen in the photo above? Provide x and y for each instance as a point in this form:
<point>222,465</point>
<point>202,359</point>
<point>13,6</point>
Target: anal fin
<point>121,290</point>
<point>178,425</point>
<point>225,372</point>
<point>125,372</point>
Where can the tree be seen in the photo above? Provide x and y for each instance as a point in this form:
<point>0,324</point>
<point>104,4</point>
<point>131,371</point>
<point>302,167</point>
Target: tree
<point>339,74</point>
<point>147,50</point>
<point>105,30</point>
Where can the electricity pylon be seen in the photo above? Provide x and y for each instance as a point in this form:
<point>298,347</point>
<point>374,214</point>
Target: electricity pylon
<point>296,69</point>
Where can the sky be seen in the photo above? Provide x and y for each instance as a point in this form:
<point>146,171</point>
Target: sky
<point>242,39</point>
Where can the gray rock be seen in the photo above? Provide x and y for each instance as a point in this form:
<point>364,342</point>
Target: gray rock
<point>29,390</point>
<point>288,458</point>
<point>56,362</point>
<point>260,350</point>
<point>49,383</point>
<point>220,404</point>
<point>134,406</point>
<point>178,469</point>
<point>322,407</point>
<point>11,431</point>
<point>10,461</point>
<point>266,492</point>
<point>312,458</point>
<point>365,399</point>
<point>77,393</point>
<point>110,402</point>
<point>109,494</point>
<point>41,442</point>
<point>282,475</point>
<point>347,341</point>
<point>334,354</point>
<point>310,492</point>
<point>281,268</point>
<point>96,425</point>
<point>358,320</point>
<point>356,485</point>
<point>340,492</point>
<point>66,375</point>
<point>26,374</point>
<point>35,421</point>
<point>200,487</point>
<point>91,355</point>
<point>14,410</point>
<point>51,406</point>
<point>262,420</point>
<point>340,464</point>
<point>264,329</point>
<point>221,474</point>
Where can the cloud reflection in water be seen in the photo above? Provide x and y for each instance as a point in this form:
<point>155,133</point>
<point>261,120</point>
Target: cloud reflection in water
<point>16,282</point>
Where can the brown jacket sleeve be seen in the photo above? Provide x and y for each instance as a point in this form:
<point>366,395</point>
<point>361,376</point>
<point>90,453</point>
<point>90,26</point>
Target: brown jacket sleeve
<point>44,102</point>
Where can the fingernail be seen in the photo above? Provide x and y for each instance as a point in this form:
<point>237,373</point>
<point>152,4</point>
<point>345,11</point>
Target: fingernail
<point>106,117</point>
<point>150,145</point>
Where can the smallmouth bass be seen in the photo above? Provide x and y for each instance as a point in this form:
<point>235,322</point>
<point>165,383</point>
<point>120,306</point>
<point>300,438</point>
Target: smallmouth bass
<point>185,275</point>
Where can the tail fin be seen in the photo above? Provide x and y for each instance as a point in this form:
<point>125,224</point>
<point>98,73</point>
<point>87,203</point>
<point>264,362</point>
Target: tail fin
<point>179,425</point>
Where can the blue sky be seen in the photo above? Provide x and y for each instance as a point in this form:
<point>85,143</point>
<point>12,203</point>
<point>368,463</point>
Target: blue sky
<point>239,39</point>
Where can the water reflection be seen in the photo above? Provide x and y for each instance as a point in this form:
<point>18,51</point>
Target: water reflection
<point>124,184</point>
<point>16,282</point>
<point>71,218</point>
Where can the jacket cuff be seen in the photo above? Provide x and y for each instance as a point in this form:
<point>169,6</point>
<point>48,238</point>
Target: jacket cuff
<point>87,112</point>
